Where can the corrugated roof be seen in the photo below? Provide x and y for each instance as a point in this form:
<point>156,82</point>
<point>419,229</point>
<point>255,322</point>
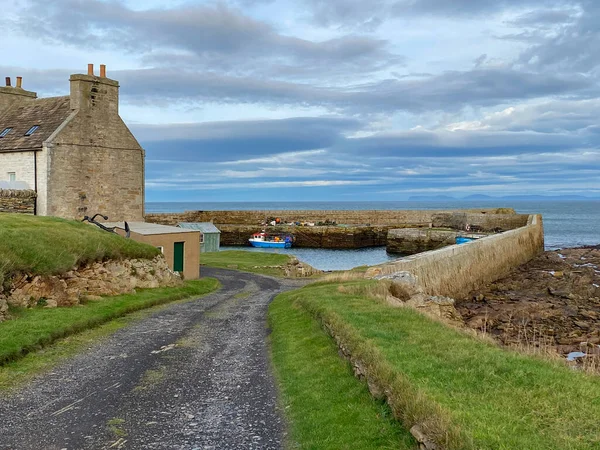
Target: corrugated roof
<point>146,228</point>
<point>47,113</point>
<point>204,227</point>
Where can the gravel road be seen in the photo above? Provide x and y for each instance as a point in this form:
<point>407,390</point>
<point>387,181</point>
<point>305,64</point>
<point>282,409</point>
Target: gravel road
<point>195,375</point>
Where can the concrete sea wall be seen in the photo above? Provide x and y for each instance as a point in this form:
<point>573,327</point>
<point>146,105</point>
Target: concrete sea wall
<point>456,270</point>
<point>17,201</point>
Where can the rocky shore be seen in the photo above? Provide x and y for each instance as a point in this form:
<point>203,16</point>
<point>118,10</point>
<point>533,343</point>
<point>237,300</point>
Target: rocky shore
<point>552,301</point>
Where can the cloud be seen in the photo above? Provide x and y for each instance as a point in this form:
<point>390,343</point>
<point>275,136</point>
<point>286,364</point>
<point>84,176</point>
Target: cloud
<point>358,14</point>
<point>232,141</point>
<point>209,36</point>
<point>573,47</point>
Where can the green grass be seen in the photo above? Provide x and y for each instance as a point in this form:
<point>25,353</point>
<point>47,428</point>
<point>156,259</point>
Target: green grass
<point>328,408</point>
<point>483,396</point>
<point>49,245</point>
<point>34,328</point>
<point>256,262</point>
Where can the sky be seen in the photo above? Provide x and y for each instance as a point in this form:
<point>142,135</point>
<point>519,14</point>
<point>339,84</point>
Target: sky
<point>334,100</point>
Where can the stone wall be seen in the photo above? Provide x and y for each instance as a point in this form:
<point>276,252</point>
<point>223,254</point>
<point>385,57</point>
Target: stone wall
<point>17,201</point>
<point>95,164</point>
<point>311,237</point>
<point>458,220</point>
<point>88,282</point>
<point>352,217</point>
<point>456,270</point>
<point>408,241</point>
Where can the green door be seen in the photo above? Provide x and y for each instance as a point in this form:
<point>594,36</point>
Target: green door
<point>178,257</point>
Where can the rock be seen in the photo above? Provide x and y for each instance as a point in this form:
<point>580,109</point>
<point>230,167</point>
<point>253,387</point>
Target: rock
<point>91,282</point>
<point>424,442</point>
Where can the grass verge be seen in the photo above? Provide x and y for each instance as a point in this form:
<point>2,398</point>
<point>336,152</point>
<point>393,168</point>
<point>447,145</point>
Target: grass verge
<point>255,262</point>
<point>35,328</point>
<point>49,245</point>
<point>464,392</point>
<point>328,408</point>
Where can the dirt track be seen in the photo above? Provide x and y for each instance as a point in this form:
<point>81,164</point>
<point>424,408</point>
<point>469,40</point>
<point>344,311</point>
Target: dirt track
<point>193,376</point>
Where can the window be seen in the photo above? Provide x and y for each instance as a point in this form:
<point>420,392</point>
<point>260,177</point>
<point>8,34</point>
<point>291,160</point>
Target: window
<point>12,176</point>
<point>202,238</point>
<point>32,130</point>
<point>162,250</point>
<point>5,132</point>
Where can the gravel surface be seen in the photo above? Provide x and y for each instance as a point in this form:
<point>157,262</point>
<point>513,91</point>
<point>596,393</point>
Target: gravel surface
<point>195,375</point>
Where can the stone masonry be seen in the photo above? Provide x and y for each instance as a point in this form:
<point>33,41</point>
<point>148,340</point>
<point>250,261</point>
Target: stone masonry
<point>88,283</point>
<point>82,159</point>
<point>17,201</point>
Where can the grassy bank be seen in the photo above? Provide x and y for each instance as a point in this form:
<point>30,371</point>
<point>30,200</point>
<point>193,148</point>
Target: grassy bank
<point>256,262</point>
<point>49,245</point>
<point>34,328</point>
<point>464,392</point>
<point>328,408</point>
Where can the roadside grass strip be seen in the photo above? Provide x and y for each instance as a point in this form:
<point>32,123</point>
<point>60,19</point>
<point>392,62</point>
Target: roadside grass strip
<point>462,392</point>
<point>49,245</point>
<point>255,262</point>
<point>35,328</point>
<point>327,407</point>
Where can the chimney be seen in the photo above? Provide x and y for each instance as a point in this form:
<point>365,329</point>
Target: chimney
<point>94,94</point>
<point>14,95</point>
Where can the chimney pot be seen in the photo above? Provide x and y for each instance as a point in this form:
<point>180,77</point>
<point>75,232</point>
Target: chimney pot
<point>103,70</point>
<point>90,69</point>
<point>8,81</point>
<point>19,81</point>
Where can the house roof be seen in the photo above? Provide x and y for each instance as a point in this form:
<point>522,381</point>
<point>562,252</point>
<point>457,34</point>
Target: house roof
<point>47,113</point>
<point>147,229</point>
<point>204,227</point>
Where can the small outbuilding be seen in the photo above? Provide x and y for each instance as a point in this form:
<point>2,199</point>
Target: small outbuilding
<point>181,247</point>
<point>210,238</point>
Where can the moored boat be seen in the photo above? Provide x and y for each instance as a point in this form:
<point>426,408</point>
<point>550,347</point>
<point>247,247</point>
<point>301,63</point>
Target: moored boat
<point>266,240</point>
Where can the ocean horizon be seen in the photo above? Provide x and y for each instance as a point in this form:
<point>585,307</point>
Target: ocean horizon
<point>567,223</point>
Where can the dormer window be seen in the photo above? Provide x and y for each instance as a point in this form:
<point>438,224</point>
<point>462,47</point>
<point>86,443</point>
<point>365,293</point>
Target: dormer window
<point>32,130</point>
<point>5,132</point>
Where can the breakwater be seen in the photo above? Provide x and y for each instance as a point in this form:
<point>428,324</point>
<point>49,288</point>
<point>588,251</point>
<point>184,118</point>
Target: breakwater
<point>456,270</point>
<point>346,229</point>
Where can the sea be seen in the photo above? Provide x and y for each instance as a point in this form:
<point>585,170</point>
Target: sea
<point>567,223</point>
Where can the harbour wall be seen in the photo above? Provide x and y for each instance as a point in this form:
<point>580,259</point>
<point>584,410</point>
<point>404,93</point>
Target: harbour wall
<point>363,228</point>
<point>350,217</point>
<point>456,270</point>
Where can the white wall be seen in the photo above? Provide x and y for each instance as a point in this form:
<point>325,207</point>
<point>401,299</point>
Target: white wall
<point>22,164</point>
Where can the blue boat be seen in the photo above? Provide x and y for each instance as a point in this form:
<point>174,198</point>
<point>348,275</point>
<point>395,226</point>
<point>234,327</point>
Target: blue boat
<point>464,240</point>
<point>265,240</point>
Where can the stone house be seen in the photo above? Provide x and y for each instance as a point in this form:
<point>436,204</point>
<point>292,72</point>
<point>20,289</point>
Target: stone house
<point>75,152</point>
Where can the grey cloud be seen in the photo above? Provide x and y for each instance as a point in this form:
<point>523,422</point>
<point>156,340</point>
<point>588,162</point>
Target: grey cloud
<point>466,8</point>
<point>572,48</point>
<point>545,18</point>
<point>359,14</point>
<point>208,36</point>
<point>423,143</point>
<point>231,141</point>
<point>449,91</point>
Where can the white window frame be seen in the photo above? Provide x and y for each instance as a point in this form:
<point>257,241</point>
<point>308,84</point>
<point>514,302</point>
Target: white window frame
<point>161,248</point>
<point>202,238</point>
